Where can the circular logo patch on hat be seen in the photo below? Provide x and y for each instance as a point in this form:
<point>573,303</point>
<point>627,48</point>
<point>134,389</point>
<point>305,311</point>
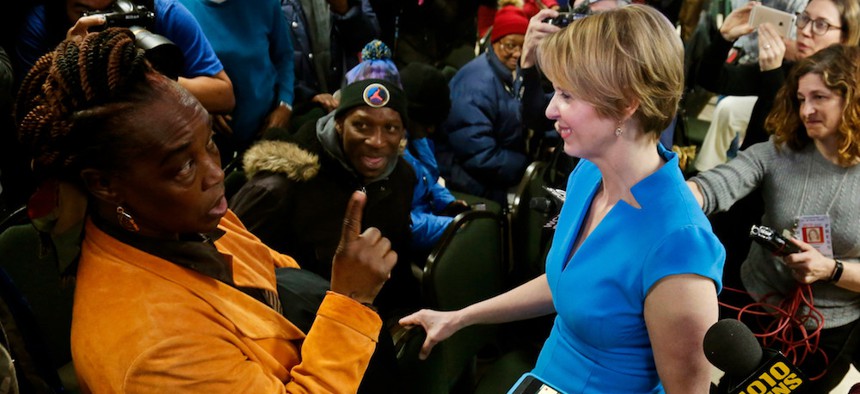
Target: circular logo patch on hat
<point>376,95</point>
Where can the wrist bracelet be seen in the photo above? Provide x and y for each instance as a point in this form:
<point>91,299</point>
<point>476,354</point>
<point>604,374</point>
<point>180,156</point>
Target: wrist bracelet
<point>837,272</point>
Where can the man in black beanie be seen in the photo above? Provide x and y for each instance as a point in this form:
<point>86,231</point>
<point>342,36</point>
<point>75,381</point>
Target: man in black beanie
<point>298,187</point>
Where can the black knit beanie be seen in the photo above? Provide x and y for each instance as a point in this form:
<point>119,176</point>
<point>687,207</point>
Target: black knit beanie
<point>374,93</point>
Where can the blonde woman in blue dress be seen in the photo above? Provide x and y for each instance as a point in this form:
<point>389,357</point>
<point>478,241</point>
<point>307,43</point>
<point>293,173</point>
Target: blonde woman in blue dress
<point>634,269</point>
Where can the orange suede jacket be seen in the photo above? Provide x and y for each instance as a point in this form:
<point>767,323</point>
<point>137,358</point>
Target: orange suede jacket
<point>144,324</point>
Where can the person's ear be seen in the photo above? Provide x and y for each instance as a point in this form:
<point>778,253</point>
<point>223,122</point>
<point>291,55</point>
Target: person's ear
<point>338,127</point>
<point>100,184</point>
<point>630,109</point>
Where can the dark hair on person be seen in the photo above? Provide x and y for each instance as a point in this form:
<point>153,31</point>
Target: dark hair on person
<point>73,105</point>
<point>839,68</point>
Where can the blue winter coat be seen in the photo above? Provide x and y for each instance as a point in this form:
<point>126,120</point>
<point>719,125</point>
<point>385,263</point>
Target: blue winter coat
<point>429,196</point>
<point>481,147</point>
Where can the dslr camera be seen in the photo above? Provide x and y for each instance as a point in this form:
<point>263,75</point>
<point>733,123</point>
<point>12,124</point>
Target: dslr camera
<point>139,17</point>
<point>565,18</point>
<point>126,13</point>
<point>777,244</point>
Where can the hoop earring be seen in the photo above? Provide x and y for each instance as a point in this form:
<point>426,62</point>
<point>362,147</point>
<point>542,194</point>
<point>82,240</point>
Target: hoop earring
<point>126,221</point>
<point>618,131</point>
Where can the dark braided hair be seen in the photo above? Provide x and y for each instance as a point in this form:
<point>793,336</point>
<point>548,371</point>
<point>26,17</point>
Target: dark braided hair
<point>74,102</point>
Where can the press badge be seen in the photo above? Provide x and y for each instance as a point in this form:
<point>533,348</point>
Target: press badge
<point>815,230</point>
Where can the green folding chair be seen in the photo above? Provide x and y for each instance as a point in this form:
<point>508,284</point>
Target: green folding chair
<point>465,267</point>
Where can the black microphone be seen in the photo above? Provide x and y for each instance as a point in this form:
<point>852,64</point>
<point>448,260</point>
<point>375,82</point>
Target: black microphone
<point>730,346</point>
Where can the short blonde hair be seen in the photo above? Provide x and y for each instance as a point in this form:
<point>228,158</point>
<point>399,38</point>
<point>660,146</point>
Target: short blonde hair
<point>618,58</point>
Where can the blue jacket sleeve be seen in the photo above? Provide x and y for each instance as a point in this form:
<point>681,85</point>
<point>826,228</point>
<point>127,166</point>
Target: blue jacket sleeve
<point>281,48</point>
<point>175,22</point>
<point>441,196</point>
<point>427,229</point>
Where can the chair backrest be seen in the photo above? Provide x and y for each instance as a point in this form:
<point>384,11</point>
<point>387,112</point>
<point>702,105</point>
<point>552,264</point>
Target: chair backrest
<point>528,241</point>
<point>465,267</point>
<point>37,306</point>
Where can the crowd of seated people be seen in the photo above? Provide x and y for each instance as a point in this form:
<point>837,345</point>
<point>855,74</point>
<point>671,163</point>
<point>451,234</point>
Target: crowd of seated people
<point>358,146</point>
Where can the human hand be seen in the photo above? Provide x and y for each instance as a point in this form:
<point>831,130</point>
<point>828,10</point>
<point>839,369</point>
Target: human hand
<point>278,118</point>
<point>737,23</point>
<point>455,208</point>
<point>221,124</point>
<point>771,48</point>
<point>809,265</point>
<point>363,261</point>
<point>327,101</point>
<point>83,24</point>
<point>438,325</point>
<point>536,32</point>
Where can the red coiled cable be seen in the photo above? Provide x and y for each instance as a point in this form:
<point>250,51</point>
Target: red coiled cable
<point>786,328</point>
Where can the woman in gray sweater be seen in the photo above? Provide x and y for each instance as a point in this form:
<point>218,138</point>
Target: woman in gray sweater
<point>810,181</point>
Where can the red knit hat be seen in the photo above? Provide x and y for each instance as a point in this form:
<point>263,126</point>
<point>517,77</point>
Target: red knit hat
<point>509,20</point>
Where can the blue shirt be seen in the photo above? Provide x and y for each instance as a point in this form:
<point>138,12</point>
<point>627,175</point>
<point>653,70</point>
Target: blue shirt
<point>599,342</point>
<point>252,39</point>
<point>172,21</point>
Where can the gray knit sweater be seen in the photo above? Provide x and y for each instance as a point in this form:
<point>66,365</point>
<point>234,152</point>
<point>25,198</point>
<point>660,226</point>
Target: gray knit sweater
<point>792,184</point>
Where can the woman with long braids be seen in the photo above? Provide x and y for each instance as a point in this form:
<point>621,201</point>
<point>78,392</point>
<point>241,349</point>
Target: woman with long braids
<point>172,291</point>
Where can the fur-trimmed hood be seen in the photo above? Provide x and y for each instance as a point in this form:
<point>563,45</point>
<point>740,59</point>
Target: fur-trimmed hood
<point>281,157</point>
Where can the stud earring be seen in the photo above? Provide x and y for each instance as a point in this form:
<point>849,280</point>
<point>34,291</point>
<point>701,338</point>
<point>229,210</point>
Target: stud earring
<point>126,221</point>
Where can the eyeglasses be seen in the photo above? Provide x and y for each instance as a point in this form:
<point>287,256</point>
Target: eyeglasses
<point>511,48</point>
<point>820,26</point>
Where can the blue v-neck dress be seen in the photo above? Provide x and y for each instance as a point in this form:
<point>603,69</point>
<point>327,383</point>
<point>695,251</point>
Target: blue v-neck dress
<point>599,342</point>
